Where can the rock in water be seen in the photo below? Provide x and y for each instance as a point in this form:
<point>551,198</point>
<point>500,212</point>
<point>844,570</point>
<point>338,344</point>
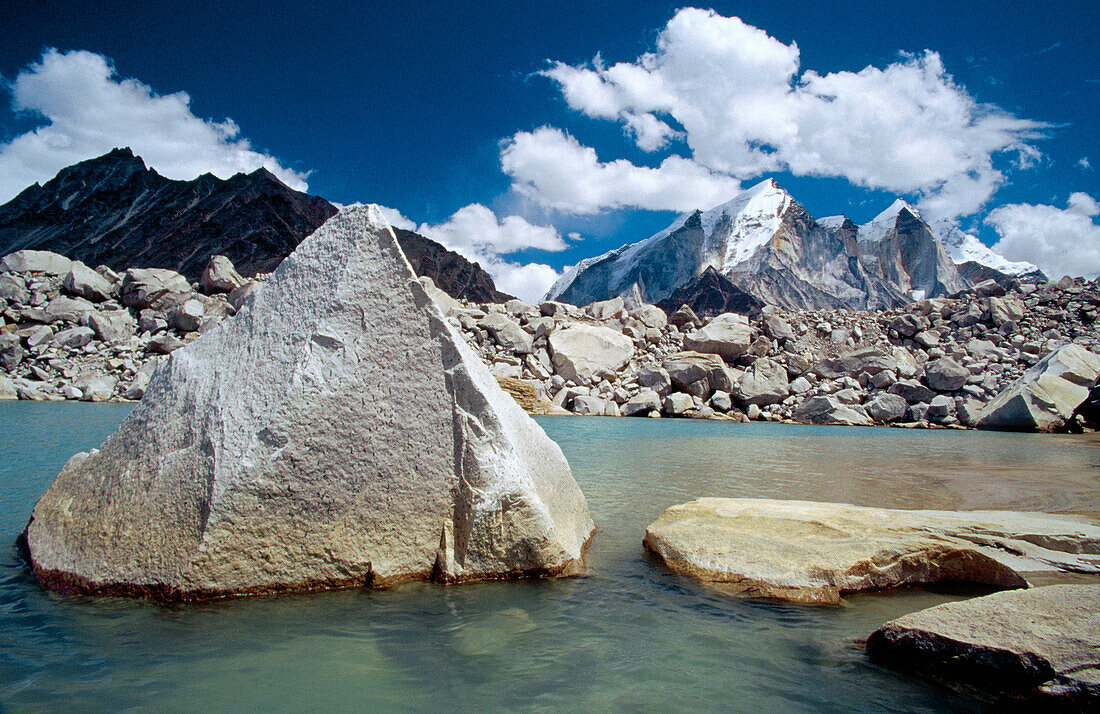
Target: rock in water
<point>815,552</point>
<point>338,432</point>
<point>1037,646</point>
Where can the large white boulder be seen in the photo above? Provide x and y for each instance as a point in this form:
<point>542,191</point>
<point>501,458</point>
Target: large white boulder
<point>579,352</point>
<point>337,432</point>
<point>728,336</point>
<point>1046,395</point>
<point>814,552</point>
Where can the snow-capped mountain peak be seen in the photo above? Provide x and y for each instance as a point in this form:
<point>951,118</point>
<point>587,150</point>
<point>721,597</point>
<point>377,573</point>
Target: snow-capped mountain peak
<point>964,247</point>
<point>891,213</point>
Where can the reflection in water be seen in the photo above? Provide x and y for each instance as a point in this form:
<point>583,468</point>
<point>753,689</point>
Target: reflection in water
<point>628,636</point>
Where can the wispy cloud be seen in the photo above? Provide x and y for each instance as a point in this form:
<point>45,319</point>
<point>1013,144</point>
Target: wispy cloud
<point>1043,51</point>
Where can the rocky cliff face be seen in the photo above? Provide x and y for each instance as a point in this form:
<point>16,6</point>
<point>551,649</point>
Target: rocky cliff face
<point>900,248</point>
<point>450,272</point>
<point>711,294</point>
<point>768,245</point>
<point>114,211</point>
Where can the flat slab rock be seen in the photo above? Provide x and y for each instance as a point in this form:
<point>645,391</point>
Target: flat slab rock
<point>337,432</point>
<point>812,552</point>
<point>1039,646</point>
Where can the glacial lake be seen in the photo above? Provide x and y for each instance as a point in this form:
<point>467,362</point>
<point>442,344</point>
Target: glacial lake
<point>628,637</point>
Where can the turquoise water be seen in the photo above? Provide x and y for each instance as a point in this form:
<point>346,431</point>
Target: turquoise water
<point>630,636</point>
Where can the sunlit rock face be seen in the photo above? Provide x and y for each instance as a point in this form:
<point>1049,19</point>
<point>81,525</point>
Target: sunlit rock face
<point>336,432</point>
<point>771,250</point>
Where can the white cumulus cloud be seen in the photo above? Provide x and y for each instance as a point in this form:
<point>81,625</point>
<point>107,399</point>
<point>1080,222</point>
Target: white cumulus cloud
<point>736,97</point>
<point>553,168</point>
<point>476,233</point>
<point>1061,241</point>
<point>89,110</point>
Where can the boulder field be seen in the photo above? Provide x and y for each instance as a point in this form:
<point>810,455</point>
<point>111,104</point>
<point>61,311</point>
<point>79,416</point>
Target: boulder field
<point>816,552</point>
<point>982,357</point>
<point>338,432</point>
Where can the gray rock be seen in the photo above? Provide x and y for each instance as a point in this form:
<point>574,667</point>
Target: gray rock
<point>7,390</point>
<point>655,378</point>
<point>579,352</point>
<point>606,309</point>
<point>678,403</point>
<point>909,324</point>
<point>97,389</point>
<point>112,325</point>
<point>1005,310</point>
<point>940,408</point>
<point>187,316</point>
<point>763,383</point>
<point>65,309</point>
<point>155,288</point>
<point>238,296</point>
<point>886,408</point>
<point>39,335</point>
<point>13,289</point>
<point>686,369</point>
<point>643,403</point>
<point>73,338</point>
<point>869,360</point>
<point>164,344</point>
<point>827,409</point>
<point>684,318</point>
<point>11,351</point>
<point>587,405</point>
<point>1035,648</point>
<point>220,276</point>
<point>801,385</point>
<point>777,328</point>
<point>911,391</point>
<point>87,283</point>
<point>35,261</point>
<point>721,401</point>
<point>507,333</point>
<point>1046,396</point>
<point>945,374</point>
<point>337,433</point>
<point>651,316</point>
<point>728,336</point>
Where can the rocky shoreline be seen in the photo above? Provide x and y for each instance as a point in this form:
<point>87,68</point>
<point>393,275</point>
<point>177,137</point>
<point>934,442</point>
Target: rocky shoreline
<point>70,332</point>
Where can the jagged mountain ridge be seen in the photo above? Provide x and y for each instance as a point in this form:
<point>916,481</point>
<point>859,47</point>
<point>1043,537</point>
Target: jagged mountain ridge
<point>767,244</point>
<point>456,276</point>
<point>114,210</point>
<point>711,294</point>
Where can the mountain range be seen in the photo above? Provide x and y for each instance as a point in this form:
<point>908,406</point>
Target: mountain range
<point>113,210</point>
<point>767,246</point>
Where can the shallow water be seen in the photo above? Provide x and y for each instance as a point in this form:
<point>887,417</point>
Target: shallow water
<point>630,636</point>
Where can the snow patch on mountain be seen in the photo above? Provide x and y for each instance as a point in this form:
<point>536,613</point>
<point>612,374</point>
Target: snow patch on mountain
<point>963,247</point>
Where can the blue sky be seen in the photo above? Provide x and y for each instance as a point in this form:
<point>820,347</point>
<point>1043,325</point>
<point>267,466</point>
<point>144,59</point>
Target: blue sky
<point>446,113</point>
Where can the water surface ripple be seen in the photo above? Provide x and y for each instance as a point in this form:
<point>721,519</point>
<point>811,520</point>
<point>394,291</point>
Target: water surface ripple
<point>630,636</point>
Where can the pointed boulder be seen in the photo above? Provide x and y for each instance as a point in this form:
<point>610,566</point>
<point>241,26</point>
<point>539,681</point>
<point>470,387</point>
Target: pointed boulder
<point>337,432</point>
